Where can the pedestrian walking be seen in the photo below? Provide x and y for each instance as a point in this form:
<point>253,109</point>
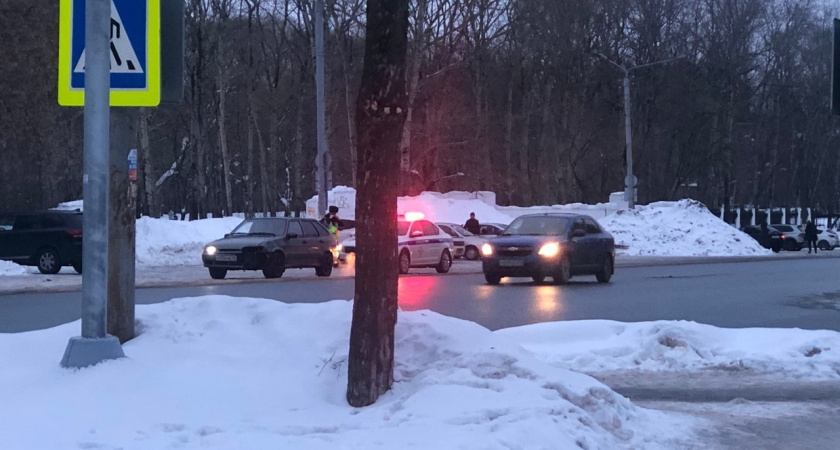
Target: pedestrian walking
<point>811,236</point>
<point>472,225</point>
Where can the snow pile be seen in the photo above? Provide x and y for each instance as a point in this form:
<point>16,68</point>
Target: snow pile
<point>163,242</point>
<point>237,373</point>
<point>595,346</point>
<point>71,206</point>
<point>9,268</point>
<point>683,228</point>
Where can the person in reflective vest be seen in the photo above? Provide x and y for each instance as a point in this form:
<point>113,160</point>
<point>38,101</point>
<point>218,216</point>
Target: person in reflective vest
<point>332,222</point>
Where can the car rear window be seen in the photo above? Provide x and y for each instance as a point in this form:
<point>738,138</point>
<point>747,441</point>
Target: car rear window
<point>448,230</point>
<point>785,228</point>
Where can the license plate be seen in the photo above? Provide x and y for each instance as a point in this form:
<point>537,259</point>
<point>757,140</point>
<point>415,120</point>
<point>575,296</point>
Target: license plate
<point>511,263</point>
<point>226,258</point>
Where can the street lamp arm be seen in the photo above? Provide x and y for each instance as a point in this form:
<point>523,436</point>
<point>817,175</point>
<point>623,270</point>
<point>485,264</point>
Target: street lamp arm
<point>604,57</point>
<point>655,63</point>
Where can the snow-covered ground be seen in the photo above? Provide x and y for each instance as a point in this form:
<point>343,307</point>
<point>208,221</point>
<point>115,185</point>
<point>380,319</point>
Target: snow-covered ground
<point>240,373</point>
<point>8,268</point>
<point>683,228</point>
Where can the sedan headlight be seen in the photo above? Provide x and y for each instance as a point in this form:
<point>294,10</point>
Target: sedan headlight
<point>339,247</point>
<point>550,250</point>
<point>487,250</point>
<point>210,250</point>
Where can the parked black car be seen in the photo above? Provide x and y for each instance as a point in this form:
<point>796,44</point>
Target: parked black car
<point>774,240</point>
<point>272,245</point>
<point>550,245</point>
<point>48,240</point>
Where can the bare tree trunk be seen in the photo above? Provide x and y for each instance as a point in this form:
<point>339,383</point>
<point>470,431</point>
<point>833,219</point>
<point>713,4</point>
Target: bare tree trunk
<point>524,160</point>
<point>351,114</point>
<point>264,182</point>
<point>297,157</point>
<point>414,80</point>
<point>249,203</point>
<point>509,142</point>
<point>380,117</point>
<point>152,208</point>
<point>223,144</point>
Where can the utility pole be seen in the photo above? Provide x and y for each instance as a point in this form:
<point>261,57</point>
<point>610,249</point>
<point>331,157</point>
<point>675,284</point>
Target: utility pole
<point>630,181</point>
<point>95,345</point>
<point>322,162</point>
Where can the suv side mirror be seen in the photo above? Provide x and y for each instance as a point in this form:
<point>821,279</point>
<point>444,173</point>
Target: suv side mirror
<point>578,233</point>
<point>416,233</point>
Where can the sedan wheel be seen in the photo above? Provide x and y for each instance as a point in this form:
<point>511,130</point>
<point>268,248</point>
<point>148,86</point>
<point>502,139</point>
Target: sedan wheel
<point>606,270</point>
<point>538,279</point>
<point>564,273</point>
<point>405,263</point>
<point>217,273</point>
<point>492,278</point>
<point>275,268</point>
<point>326,266</point>
<point>445,262</point>
<point>471,253</point>
<point>48,262</point>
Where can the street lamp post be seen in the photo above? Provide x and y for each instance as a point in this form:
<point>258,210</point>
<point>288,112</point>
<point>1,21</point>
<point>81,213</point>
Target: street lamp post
<point>630,181</point>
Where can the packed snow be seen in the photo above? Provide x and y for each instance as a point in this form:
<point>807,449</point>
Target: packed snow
<point>683,228</point>
<point>223,372</point>
<point>593,346</point>
<point>8,268</point>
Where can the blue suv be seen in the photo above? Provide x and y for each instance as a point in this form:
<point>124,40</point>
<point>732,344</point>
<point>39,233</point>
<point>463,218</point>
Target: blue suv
<point>550,245</point>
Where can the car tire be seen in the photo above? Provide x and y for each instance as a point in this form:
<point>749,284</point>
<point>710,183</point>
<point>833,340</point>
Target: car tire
<point>791,245</point>
<point>217,273</point>
<point>326,267</point>
<point>777,249</point>
<point>606,272</point>
<point>276,266</point>
<point>445,262</point>
<point>405,262</point>
<point>823,245</point>
<point>48,261</point>
<point>77,267</point>
<point>564,273</point>
<point>538,279</point>
<point>471,253</point>
<point>492,278</point>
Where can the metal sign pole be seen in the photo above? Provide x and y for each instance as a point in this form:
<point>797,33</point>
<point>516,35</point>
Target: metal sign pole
<point>94,345</point>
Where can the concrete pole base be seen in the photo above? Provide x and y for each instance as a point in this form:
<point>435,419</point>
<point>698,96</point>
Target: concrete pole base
<point>84,352</point>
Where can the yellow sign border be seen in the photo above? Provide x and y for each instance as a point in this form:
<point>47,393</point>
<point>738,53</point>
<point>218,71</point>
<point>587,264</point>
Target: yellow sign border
<point>68,96</point>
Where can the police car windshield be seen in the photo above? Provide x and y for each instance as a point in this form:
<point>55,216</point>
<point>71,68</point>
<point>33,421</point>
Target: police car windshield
<point>537,226</point>
<point>402,228</point>
<point>262,227</point>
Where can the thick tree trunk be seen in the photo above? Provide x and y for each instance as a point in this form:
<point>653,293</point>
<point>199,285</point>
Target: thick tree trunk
<point>380,116</point>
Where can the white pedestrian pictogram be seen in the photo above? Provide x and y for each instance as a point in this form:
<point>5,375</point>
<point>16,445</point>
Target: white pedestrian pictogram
<point>123,57</point>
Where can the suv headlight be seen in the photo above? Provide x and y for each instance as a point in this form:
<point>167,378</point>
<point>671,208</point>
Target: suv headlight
<point>550,250</point>
<point>487,250</point>
<point>210,250</point>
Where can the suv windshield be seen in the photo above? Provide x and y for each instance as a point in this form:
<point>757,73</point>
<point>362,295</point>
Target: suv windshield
<point>261,227</point>
<point>537,226</point>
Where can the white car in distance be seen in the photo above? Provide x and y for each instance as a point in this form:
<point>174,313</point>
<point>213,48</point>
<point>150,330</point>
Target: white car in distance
<point>422,244</point>
<point>467,244</point>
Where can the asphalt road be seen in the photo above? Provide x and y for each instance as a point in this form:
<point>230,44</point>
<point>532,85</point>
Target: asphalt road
<point>802,293</point>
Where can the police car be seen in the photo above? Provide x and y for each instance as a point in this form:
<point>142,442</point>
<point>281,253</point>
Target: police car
<point>422,244</point>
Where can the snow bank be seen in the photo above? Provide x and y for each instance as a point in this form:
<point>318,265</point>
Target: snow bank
<point>71,206</point>
<point>683,228</point>
<point>163,242</point>
<point>9,268</point>
<point>226,373</point>
<point>595,346</point>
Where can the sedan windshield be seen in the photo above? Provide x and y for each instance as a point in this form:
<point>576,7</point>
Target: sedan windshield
<point>462,230</point>
<point>261,227</point>
<point>537,226</point>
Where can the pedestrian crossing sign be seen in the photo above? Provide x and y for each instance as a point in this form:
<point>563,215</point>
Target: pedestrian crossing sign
<point>135,53</point>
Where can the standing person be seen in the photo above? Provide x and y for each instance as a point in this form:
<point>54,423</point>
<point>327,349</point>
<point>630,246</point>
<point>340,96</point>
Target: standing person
<point>811,236</point>
<point>332,222</point>
<point>472,225</point>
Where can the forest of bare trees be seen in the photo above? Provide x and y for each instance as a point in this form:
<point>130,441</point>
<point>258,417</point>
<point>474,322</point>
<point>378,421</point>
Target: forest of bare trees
<point>509,93</point>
